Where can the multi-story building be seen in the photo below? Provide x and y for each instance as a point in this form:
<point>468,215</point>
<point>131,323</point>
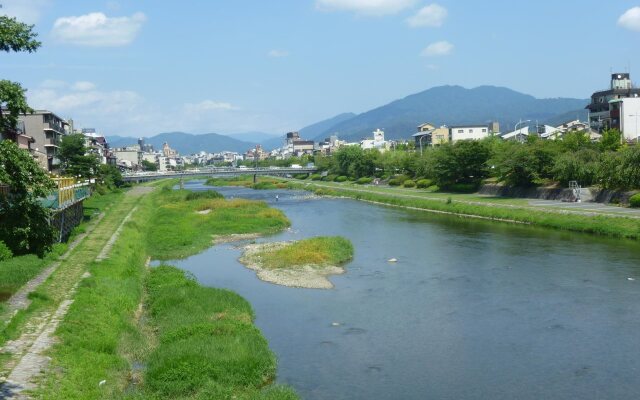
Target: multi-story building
<point>429,135</point>
<point>46,129</point>
<point>625,115</point>
<point>601,113</point>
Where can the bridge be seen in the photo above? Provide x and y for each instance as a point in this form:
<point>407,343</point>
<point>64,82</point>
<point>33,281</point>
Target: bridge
<point>138,177</point>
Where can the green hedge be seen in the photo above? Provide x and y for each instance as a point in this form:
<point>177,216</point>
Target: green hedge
<point>634,201</point>
<point>5,251</point>
<point>409,183</point>
<point>342,179</point>
<point>364,181</point>
<point>424,183</point>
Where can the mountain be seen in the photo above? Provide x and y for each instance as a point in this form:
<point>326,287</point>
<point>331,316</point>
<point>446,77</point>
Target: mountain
<point>320,128</point>
<point>452,105</point>
<point>187,143</point>
<point>254,137</point>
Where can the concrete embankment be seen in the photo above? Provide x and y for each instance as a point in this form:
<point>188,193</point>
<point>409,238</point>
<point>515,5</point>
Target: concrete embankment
<point>557,193</point>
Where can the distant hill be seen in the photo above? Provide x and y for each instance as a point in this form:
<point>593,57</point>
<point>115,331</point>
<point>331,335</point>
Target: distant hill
<point>187,143</point>
<point>320,128</point>
<point>451,105</point>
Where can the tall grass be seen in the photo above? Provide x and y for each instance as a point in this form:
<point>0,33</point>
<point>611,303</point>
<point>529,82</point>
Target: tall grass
<point>208,346</point>
<point>180,231</point>
<point>318,251</point>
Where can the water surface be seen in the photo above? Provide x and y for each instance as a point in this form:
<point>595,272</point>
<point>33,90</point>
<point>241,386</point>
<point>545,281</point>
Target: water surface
<point>472,309</point>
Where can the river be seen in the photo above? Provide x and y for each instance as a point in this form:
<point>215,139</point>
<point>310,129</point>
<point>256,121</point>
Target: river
<point>471,310</point>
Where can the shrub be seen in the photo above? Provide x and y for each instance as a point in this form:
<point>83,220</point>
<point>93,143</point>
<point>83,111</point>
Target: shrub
<point>634,201</point>
<point>341,179</point>
<point>207,194</point>
<point>409,183</point>
<point>394,182</point>
<point>364,181</point>
<point>330,178</point>
<point>316,177</point>
<point>5,252</point>
<point>301,176</point>
<point>424,183</point>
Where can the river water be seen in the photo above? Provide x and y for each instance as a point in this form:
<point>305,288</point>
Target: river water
<point>471,310</point>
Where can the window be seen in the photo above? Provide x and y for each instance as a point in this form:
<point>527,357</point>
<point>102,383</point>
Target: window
<point>470,130</point>
<point>460,130</point>
<point>484,130</point>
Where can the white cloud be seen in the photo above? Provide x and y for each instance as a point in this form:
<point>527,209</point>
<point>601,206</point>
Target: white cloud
<point>432,15</point>
<point>441,48</point>
<point>277,53</point>
<point>630,19</point>
<point>368,7</point>
<point>208,106</point>
<point>83,86</point>
<point>96,29</point>
<point>28,11</point>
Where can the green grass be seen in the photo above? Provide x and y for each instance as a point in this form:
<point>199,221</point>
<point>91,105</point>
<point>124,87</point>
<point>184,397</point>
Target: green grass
<point>97,203</point>
<point>263,183</point>
<point>180,231</point>
<point>460,204</point>
<point>208,346</point>
<point>318,251</point>
<point>193,342</point>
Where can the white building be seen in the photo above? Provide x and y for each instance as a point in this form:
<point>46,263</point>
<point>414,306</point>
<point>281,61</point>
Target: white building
<point>466,132</point>
<point>628,113</point>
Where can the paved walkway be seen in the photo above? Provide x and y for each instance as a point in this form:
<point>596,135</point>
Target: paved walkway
<point>28,357</point>
<point>587,207</point>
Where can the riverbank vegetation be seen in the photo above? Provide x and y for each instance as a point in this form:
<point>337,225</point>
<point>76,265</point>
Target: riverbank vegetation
<point>319,251</point>
<point>263,183</point>
<point>183,228</point>
<point>156,333</point>
<point>306,263</point>
<point>464,165</point>
<point>207,346</point>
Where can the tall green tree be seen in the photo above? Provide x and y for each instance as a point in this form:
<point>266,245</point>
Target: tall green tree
<point>24,222</point>
<point>74,158</point>
<point>17,37</point>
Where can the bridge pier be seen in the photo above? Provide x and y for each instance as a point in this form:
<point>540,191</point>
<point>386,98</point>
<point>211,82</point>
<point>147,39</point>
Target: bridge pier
<point>255,178</point>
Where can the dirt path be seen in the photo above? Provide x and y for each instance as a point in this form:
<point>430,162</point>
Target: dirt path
<point>28,353</point>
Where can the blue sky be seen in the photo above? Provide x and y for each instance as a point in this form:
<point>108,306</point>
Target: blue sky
<point>143,67</point>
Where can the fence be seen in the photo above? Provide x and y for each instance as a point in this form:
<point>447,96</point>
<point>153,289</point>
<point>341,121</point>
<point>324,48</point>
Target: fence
<point>68,192</point>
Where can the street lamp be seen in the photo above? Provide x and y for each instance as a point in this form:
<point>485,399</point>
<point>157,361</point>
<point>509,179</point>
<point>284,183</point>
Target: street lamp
<point>420,142</point>
<point>516,128</point>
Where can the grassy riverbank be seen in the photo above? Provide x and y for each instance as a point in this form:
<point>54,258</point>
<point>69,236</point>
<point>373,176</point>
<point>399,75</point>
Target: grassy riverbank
<point>208,346</point>
<point>451,204</point>
<point>318,251</point>
<point>17,271</point>
<point>155,334</point>
<point>183,228</point>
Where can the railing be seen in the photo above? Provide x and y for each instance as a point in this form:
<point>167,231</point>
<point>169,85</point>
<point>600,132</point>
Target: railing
<point>68,192</point>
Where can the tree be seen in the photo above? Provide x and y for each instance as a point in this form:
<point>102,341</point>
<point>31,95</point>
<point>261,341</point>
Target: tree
<point>74,158</point>
<point>14,36</point>
<point>111,176</point>
<point>149,166</point>
<point>24,222</point>
<point>611,140</point>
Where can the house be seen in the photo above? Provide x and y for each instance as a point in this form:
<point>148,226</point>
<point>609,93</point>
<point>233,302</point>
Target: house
<point>519,135</point>
<point>602,115</point>
<point>377,142</point>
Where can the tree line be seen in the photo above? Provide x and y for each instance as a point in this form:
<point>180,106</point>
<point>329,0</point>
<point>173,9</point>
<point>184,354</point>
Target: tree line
<point>465,164</point>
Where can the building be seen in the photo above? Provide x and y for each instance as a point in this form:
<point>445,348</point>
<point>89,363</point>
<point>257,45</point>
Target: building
<point>468,132</point>
<point>624,115</point>
<point>128,157</point>
<point>601,114</point>
<point>166,150</point>
<point>377,142</point>
<point>429,135</point>
<point>46,129</point>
